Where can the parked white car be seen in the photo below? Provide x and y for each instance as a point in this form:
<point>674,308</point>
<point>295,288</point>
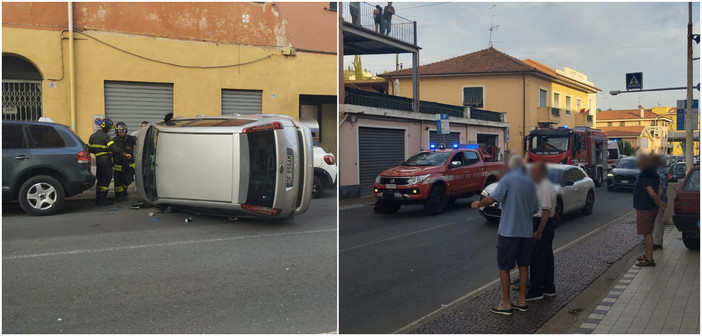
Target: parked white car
<point>252,165</point>
<point>325,170</point>
<point>576,192</point>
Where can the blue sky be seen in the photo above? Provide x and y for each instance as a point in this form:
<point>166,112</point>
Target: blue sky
<point>603,40</point>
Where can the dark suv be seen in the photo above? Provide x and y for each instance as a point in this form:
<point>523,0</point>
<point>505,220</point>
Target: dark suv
<point>42,164</point>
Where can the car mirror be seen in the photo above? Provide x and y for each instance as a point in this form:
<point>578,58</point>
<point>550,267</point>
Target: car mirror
<point>455,164</point>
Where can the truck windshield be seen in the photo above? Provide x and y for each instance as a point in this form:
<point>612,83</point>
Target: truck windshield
<point>542,144</point>
<point>428,159</point>
<point>262,174</point>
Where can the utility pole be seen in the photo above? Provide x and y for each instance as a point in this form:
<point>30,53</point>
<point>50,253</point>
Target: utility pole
<point>689,145</point>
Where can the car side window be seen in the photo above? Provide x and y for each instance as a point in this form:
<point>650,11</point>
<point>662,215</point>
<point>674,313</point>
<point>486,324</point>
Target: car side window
<point>458,157</point>
<point>470,158</point>
<point>44,137</point>
<point>578,174</point>
<point>12,136</point>
<point>568,176</point>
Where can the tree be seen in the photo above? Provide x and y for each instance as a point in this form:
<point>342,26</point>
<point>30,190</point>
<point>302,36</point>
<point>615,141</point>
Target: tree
<point>357,67</point>
<point>625,148</point>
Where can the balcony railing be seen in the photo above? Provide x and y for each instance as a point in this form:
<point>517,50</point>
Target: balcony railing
<point>373,99</point>
<point>362,15</point>
<point>555,111</point>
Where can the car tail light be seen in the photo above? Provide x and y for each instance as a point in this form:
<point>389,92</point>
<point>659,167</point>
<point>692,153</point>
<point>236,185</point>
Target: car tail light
<point>265,127</point>
<point>670,177</point>
<point>83,157</point>
<point>263,210</point>
<point>329,159</point>
<point>676,205</point>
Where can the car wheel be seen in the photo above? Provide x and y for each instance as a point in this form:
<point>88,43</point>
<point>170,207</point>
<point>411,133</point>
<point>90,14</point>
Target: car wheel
<point>386,207</point>
<point>436,202</point>
<point>558,215</point>
<point>41,196</point>
<point>589,203</point>
<point>317,188</point>
<point>691,240</point>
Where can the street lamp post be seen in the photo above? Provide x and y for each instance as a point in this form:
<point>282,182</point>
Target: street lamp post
<point>689,146</point>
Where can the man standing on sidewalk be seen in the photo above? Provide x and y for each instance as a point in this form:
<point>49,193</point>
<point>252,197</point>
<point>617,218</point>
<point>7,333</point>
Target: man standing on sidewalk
<point>541,269</point>
<point>517,194</point>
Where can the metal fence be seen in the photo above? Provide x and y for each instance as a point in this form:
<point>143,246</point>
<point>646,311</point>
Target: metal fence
<point>485,115</point>
<point>21,100</point>
<point>364,15</point>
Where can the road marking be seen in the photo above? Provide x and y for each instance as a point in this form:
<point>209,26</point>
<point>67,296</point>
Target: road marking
<point>402,235</point>
<point>407,328</point>
<point>175,243</point>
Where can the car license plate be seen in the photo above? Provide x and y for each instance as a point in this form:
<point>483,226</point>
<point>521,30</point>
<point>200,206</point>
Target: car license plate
<point>391,186</point>
<point>289,169</point>
<point>625,181</point>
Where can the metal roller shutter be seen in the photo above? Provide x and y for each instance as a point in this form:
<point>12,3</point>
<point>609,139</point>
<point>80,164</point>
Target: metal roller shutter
<point>134,102</point>
<point>437,139</point>
<point>378,149</point>
<point>241,101</point>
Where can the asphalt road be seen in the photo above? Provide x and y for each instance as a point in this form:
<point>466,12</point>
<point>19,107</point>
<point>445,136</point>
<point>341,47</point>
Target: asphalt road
<point>94,270</point>
<point>395,269</point>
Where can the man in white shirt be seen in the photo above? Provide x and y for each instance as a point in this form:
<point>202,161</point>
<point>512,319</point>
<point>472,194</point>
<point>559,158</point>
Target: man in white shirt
<point>541,271</point>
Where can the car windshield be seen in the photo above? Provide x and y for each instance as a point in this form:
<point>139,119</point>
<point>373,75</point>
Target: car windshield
<point>613,154</point>
<point>693,182</point>
<point>627,164</point>
<point>541,144</point>
<point>149,163</point>
<point>428,159</point>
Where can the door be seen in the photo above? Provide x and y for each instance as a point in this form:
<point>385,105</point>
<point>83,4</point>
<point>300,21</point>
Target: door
<point>134,102</point>
<point>459,176</point>
<point>48,148</point>
<point>475,170</point>
<point>15,154</point>
<point>241,102</point>
<point>447,139</point>
<point>569,194</point>
<point>581,187</point>
<point>378,149</point>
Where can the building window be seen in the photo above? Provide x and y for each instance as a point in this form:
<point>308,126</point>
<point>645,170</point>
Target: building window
<point>556,100</point>
<point>653,123</point>
<point>542,97</point>
<point>578,105</point>
<point>332,6</point>
<point>609,124</point>
<point>621,123</point>
<point>473,97</point>
<point>567,103</point>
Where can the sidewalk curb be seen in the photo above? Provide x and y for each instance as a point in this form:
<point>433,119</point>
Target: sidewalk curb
<point>406,329</point>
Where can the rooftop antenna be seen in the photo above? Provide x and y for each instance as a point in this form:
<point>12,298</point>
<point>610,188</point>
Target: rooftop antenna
<point>493,26</point>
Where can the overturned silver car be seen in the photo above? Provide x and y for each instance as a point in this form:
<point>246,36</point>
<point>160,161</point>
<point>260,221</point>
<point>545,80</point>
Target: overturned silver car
<point>242,166</point>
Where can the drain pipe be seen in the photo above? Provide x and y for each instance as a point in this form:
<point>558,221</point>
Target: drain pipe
<point>71,66</point>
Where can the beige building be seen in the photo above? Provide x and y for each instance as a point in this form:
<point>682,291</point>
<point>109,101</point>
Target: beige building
<point>530,93</point>
<point>644,129</point>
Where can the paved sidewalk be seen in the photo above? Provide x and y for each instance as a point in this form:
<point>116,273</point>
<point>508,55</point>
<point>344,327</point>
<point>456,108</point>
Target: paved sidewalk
<point>661,299</point>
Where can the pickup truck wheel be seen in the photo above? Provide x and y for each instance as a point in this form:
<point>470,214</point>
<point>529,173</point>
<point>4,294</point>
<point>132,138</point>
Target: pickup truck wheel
<point>691,240</point>
<point>317,187</point>
<point>436,202</point>
<point>386,207</point>
<point>41,195</point>
<point>589,203</point>
<point>558,215</point>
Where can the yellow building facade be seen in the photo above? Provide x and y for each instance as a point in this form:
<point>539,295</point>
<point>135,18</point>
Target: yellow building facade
<point>676,143</point>
<point>288,74</point>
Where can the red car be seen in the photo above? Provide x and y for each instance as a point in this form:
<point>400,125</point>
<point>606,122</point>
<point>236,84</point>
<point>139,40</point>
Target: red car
<point>687,209</point>
<point>435,178</point>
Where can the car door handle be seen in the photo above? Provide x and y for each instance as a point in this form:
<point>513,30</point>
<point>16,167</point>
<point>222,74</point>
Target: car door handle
<point>21,157</point>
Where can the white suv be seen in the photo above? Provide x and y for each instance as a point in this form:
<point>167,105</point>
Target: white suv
<point>324,170</point>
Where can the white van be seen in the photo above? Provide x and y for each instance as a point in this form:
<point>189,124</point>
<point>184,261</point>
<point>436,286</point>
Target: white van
<point>613,153</point>
<point>252,165</point>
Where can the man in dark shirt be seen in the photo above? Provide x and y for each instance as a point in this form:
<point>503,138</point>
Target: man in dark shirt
<point>646,203</point>
<point>388,12</point>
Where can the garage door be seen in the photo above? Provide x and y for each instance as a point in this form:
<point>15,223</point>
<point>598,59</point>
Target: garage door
<point>241,101</point>
<point>378,149</point>
<point>134,102</point>
<point>450,139</point>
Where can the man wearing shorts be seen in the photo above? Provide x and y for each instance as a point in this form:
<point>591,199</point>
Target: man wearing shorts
<point>517,194</point>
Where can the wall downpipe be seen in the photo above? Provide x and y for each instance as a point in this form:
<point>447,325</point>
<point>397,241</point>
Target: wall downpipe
<point>71,67</point>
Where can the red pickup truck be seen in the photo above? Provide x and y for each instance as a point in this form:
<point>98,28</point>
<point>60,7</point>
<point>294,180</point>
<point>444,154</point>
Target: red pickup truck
<point>435,178</point>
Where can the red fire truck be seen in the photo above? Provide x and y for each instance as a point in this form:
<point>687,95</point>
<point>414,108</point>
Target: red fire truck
<point>582,146</point>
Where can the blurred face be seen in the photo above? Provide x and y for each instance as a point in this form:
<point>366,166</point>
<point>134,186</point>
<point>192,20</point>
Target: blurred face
<point>642,161</point>
<point>538,172</point>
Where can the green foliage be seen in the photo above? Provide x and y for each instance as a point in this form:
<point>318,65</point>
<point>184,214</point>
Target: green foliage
<point>625,148</point>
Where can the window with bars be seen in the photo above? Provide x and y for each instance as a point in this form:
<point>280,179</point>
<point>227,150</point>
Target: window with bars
<point>21,100</point>
<point>473,97</point>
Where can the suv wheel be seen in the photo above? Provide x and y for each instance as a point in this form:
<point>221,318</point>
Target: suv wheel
<point>317,187</point>
<point>436,202</point>
<point>589,203</point>
<point>41,195</point>
<point>691,240</point>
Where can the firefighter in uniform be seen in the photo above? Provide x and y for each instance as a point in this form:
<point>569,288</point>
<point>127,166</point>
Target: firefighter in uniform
<point>103,147</point>
<point>124,167</point>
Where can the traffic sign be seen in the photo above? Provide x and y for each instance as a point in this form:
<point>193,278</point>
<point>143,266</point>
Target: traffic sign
<point>682,105</point>
<point>97,120</point>
<point>442,124</point>
<point>634,81</point>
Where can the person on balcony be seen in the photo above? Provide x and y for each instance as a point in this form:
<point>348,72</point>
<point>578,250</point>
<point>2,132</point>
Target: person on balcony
<point>388,12</point>
<point>355,9</point>
<point>378,17</point>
